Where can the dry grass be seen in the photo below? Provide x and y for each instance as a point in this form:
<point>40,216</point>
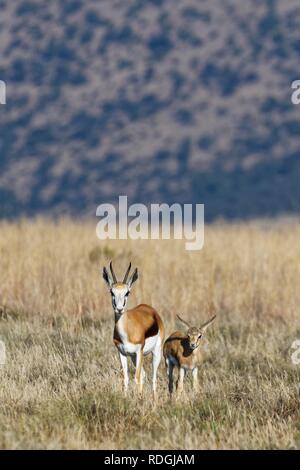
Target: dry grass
<point>61,387</point>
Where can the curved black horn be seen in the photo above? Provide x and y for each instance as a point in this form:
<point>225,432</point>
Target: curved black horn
<point>127,274</point>
<point>112,273</point>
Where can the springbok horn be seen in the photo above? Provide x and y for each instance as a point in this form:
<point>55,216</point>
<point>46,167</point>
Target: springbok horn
<point>127,273</point>
<point>183,321</point>
<point>112,273</point>
<point>205,325</point>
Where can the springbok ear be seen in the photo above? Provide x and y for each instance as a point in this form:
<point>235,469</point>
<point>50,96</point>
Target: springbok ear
<point>206,324</point>
<point>107,277</point>
<point>133,278</point>
<point>183,321</point>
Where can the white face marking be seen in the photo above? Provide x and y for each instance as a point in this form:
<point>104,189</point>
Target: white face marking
<point>194,337</point>
<point>119,294</point>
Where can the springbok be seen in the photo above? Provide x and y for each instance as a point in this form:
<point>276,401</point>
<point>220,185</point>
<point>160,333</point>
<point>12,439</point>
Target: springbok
<point>182,350</point>
<point>138,331</point>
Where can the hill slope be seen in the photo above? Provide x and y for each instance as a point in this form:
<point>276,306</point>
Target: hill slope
<point>160,100</point>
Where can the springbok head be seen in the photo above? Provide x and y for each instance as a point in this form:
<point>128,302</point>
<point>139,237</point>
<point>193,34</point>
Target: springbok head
<point>119,290</point>
<point>194,333</point>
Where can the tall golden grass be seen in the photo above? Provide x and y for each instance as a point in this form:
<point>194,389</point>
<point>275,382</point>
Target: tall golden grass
<point>61,387</point>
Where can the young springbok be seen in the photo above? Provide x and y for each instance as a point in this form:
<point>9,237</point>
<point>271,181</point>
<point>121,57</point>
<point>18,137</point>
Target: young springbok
<point>182,350</point>
<point>138,331</point>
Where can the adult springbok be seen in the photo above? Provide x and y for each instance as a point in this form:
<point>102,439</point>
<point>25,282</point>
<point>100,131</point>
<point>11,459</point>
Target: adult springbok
<point>138,331</point>
<point>183,350</point>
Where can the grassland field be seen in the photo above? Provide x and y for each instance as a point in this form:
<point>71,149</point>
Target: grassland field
<point>61,384</point>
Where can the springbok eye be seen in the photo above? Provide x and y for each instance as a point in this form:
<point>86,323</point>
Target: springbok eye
<point>127,294</point>
<point>200,336</point>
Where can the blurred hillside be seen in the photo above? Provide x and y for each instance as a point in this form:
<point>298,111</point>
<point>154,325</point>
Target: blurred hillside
<point>162,100</point>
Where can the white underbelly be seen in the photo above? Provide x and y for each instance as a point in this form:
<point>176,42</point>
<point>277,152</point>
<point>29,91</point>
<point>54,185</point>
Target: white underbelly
<point>151,343</point>
<point>127,348</point>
